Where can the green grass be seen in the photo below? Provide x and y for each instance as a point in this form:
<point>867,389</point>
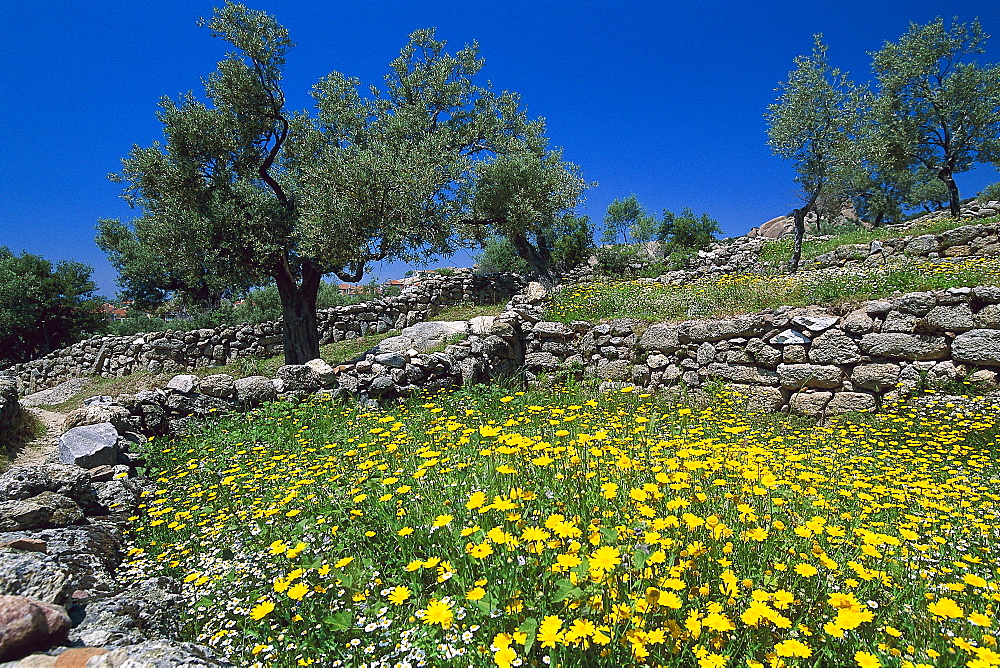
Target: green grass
<point>778,252</point>
<point>481,527</point>
<point>749,293</point>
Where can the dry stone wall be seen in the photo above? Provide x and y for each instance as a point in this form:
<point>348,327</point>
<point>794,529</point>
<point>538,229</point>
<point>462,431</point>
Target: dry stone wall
<point>175,352</point>
<point>808,361</point>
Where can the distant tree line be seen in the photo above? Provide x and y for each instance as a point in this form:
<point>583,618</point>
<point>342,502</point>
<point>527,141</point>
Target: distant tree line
<point>44,307</point>
<point>894,144</point>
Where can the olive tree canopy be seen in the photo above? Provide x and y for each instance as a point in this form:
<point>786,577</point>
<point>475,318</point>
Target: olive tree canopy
<point>246,191</point>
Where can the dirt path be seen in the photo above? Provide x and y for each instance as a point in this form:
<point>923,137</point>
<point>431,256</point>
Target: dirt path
<point>43,448</point>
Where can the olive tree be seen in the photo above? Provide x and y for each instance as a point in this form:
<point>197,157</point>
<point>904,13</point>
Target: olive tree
<point>936,105</point>
<point>249,192</point>
<point>809,124</point>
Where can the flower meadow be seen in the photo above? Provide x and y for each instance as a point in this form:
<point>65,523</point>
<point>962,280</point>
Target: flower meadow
<point>746,293</point>
<point>485,528</point>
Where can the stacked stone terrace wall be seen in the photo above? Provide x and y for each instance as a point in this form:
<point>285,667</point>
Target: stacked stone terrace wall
<point>175,352</point>
<point>742,254</point>
<point>809,361</point>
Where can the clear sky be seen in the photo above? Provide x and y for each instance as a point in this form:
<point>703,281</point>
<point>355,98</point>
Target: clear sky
<point>664,99</point>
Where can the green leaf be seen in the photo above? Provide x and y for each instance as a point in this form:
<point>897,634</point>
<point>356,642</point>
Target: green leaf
<point>639,558</point>
<point>610,535</point>
<point>339,621</point>
<point>565,589</point>
<point>529,627</point>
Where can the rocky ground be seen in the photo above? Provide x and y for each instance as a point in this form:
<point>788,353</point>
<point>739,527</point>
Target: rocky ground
<point>61,534</point>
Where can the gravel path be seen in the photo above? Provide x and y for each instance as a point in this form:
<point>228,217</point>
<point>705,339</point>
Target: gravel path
<point>44,448</point>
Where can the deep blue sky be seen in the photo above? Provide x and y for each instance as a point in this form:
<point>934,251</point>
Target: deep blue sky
<point>664,99</point>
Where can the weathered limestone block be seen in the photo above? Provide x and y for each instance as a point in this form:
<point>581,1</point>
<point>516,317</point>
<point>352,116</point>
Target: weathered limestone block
<point>977,346</point>
<point>661,338</point>
<point>797,376</point>
<point>922,245</point>
<point>897,321</point>
<point>917,303</point>
<point>834,347</point>
<point>988,317</point>
<point>850,402</point>
<point>878,377</point>
<point>951,318</point>
<point>738,373</point>
<point>184,383</point>
<point>220,385</point>
<point>543,360</point>
<point>904,346</point>
<point>254,390</point>
<point>696,331</point>
<point>809,403</point>
<point>44,511</point>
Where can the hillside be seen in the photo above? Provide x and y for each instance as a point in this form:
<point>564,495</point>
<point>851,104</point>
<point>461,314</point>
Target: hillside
<point>711,467</point>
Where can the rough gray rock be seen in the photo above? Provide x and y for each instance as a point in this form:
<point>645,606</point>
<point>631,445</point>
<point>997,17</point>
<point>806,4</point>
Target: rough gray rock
<point>254,390</point>
<point>809,403</point>
<point>878,377</point>
<point>33,574</point>
<point>28,625</point>
<point>89,446</point>
<point>857,322</point>
<point>159,654</point>
<point>797,376</point>
<point>393,360</point>
<point>324,372</point>
<point>22,482</point>
<point>220,385</point>
<point>740,373</point>
<point>660,338</point>
<point>184,383</point>
<point>904,346</point>
<point>834,347</point>
<point>147,611</point>
<point>849,402</point>
<point>789,337</point>
<point>55,395</point>
<point>977,346</point>
<point>815,323</point>
<point>544,360</point>
<point>299,377</point>
<point>953,318</point>
<point>44,511</point>
<point>762,399</point>
<point>98,413</point>
<point>917,303</point>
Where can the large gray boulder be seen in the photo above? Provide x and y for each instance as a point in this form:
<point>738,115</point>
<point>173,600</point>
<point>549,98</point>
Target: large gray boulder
<point>184,383</point>
<point>879,377</point>
<point>421,337</point>
<point>96,414</point>
<point>89,446</point>
<point>149,610</point>
<point>851,402</point>
<point>660,338</point>
<point>977,346</point>
<point>220,385</point>
<point>297,377</point>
